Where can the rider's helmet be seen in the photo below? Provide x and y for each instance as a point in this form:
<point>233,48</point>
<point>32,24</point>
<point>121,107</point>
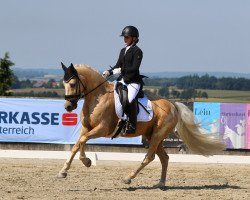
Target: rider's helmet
<point>130,31</point>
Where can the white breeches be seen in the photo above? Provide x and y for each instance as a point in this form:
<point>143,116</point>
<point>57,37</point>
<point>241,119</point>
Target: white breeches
<point>133,89</point>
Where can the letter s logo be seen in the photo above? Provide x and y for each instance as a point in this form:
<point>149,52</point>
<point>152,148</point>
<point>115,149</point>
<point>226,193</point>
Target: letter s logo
<point>69,119</point>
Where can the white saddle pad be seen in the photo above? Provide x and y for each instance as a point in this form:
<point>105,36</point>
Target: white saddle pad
<point>142,116</point>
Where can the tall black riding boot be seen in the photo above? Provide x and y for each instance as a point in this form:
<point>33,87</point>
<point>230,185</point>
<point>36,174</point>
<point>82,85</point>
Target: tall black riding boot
<point>132,117</point>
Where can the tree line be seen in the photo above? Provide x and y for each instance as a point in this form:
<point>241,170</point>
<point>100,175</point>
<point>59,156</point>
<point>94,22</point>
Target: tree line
<point>188,85</point>
<point>175,94</point>
<point>51,83</point>
<point>37,94</point>
<point>202,82</point>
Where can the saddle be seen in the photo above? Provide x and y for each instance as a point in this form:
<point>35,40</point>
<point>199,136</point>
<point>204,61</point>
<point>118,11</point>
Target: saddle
<point>122,106</point>
<point>122,92</point>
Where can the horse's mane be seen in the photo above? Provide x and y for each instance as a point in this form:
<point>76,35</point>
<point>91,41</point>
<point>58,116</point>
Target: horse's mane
<point>85,66</point>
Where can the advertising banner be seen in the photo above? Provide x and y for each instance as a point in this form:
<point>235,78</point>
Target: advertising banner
<point>228,121</point>
<point>208,115</point>
<point>233,124</point>
<point>44,121</point>
<point>248,127</point>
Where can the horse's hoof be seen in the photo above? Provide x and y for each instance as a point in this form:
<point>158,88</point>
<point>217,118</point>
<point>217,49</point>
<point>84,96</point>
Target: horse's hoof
<point>62,175</point>
<point>87,162</point>
<point>126,180</point>
<point>159,185</point>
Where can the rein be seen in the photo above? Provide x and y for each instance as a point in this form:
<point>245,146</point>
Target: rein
<point>78,94</point>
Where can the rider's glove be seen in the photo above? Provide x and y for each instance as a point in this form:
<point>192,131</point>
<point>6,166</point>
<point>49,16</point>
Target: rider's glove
<point>106,74</point>
<point>117,71</point>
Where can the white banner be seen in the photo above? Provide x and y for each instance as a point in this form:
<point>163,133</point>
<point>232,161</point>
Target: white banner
<point>44,121</point>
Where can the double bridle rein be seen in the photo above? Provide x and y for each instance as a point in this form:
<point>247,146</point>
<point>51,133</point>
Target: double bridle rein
<point>76,97</point>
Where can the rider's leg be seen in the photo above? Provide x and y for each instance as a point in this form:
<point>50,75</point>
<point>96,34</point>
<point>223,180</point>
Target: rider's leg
<point>133,90</point>
<point>132,117</point>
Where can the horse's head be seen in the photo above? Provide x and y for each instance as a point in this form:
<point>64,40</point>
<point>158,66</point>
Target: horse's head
<point>74,87</point>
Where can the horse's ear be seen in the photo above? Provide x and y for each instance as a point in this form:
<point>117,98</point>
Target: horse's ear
<point>71,65</point>
<point>63,66</point>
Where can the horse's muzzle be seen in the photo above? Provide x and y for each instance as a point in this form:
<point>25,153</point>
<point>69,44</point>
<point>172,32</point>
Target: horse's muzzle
<point>70,105</point>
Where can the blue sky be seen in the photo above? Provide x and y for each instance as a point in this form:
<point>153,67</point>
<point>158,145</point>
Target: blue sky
<point>175,35</point>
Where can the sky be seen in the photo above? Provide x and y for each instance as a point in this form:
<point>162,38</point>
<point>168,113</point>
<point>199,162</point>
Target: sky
<point>175,35</point>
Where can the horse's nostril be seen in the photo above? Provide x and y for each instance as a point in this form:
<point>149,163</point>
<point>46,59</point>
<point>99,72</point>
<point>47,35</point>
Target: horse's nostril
<point>69,107</point>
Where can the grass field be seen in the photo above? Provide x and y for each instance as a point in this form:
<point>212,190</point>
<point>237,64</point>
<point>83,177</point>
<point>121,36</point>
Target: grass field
<point>226,96</point>
<point>36,90</point>
<point>214,95</point>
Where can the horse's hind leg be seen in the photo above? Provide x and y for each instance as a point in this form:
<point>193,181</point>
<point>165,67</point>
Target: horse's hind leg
<point>163,156</point>
<point>150,156</point>
<point>144,163</point>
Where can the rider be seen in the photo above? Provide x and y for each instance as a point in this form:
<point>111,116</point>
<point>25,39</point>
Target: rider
<point>127,66</point>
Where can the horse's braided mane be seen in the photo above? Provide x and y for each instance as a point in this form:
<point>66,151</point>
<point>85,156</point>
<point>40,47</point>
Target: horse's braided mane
<point>86,66</point>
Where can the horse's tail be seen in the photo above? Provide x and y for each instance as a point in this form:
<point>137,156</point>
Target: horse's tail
<point>190,132</point>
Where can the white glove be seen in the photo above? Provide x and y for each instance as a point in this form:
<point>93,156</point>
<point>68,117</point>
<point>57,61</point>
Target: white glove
<point>117,71</point>
<point>105,74</point>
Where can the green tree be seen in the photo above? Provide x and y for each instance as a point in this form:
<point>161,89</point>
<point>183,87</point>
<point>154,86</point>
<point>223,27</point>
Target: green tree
<point>188,94</point>
<point>164,92</point>
<point>204,95</point>
<point>16,83</point>
<point>6,75</point>
<point>175,93</point>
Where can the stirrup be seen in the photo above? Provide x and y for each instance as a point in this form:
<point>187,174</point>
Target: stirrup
<point>130,129</point>
<point>120,128</point>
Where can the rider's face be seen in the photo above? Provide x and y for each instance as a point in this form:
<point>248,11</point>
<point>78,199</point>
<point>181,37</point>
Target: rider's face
<point>128,40</point>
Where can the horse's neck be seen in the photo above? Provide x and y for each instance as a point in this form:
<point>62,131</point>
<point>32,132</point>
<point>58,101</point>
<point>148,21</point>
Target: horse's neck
<point>97,96</point>
<point>96,87</point>
<point>94,83</point>
<point>97,105</point>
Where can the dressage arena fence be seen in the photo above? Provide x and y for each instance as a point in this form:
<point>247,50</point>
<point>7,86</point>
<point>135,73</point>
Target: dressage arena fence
<point>176,150</point>
<point>172,147</point>
<point>119,156</point>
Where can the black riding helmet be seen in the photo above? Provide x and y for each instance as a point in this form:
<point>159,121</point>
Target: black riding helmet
<point>130,31</point>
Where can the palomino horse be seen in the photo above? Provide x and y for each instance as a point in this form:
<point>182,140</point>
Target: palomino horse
<point>99,119</point>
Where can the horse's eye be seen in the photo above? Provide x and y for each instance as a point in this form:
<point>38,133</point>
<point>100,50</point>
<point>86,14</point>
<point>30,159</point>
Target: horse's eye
<point>72,85</point>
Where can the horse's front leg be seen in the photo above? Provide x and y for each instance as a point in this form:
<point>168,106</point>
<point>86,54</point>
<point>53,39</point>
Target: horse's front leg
<point>99,131</point>
<point>67,164</point>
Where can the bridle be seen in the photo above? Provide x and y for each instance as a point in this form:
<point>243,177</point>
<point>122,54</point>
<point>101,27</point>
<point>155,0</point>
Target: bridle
<point>76,97</point>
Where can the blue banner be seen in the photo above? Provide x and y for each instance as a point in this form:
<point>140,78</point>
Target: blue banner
<point>208,115</point>
<point>44,121</point>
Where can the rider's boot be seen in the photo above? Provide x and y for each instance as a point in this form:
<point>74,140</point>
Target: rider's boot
<point>132,118</point>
